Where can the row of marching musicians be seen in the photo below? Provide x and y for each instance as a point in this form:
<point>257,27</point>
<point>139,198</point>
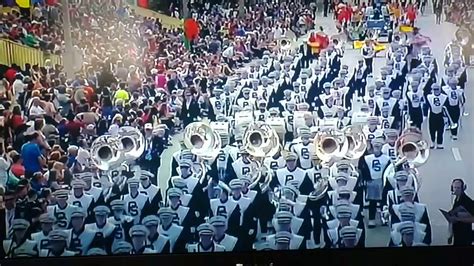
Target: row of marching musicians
<point>263,205</point>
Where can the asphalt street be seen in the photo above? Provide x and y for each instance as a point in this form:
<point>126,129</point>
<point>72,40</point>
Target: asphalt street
<point>442,166</point>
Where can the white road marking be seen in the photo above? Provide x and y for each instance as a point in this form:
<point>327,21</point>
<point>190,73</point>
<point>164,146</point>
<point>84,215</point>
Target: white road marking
<point>456,154</point>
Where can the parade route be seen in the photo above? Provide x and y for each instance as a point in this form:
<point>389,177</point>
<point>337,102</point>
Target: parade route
<point>442,166</point>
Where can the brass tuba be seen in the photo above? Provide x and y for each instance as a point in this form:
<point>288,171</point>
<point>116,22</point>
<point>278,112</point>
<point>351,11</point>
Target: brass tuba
<point>111,151</point>
<point>331,145</point>
<point>411,149</point>
<point>260,140</point>
<point>202,140</point>
<point>105,152</point>
<point>132,143</point>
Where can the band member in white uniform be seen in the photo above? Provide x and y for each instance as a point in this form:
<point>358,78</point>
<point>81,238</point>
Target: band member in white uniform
<point>206,243</point>
<point>372,168</point>
<point>436,103</point>
<point>455,102</point>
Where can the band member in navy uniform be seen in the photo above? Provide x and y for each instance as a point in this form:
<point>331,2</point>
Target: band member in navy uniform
<point>151,191</point>
<point>150,160</point>
<point>368,52</point>
<point>352,237</point>
<point>282,223</point>
<point>62,211</point>
<point>182,154</point>
<point>102,228</point>
<point>372,168</point>
<point>359,77</point>
<point>80,238</point>
<point>122,224</point>
<point>436,103</point>
<point>455,102</point>
<point>415,104</point>
<point>408,215</point>
<point>19,239</point>
<point>420,210</point>
<point>176,234</point>
<point>41,237</point>
<point>184,216</point>
<point>80,199</point>
<point>90,189</point>
<point>139,235</point>
<point>409,236</point>
<point>136,203</point>
<point>206,243</point>
<point>394,195</point>
<point>57,244</point>
<point>248,221</point>
<point>159,243</point>
<point>220,237</point>
<point>292,172</point>
<point>122,248</point>
<point>199,202</point>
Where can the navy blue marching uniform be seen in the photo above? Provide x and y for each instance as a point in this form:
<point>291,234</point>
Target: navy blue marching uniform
<point>436,104</point>
<point>415,106</point>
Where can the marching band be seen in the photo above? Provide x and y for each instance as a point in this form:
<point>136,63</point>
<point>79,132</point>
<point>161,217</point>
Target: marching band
<point>299,152</point>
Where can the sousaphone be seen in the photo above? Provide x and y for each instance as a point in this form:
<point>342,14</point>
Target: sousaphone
<point>413,151</point>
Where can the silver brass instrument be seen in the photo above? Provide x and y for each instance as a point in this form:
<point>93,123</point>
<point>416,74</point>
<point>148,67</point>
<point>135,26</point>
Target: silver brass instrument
<point>260,140</point>
<point>205,143</point>
<point>331,145</point>
<point>133,143</point>
<point>320,185</point>
<point>105,152</point>
<point>202,140</point>
<point>412,149</point>
<point>111,151</point>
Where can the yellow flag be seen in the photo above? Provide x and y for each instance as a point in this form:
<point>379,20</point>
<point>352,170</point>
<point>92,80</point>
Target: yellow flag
<point>23,3</point>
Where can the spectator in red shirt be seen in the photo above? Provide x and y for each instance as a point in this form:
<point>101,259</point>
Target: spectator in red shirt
<point>74,128</point>
<point>411,15</point>
<point>17,167</point>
